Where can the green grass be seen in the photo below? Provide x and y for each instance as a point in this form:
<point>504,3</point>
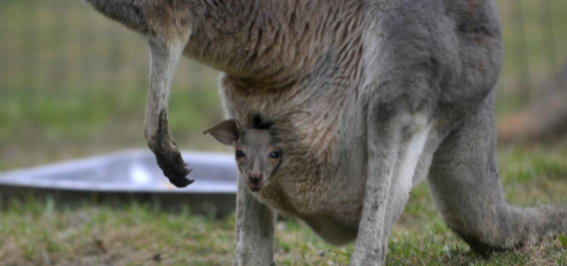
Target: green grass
<point>43,127</point>
<point>37,231</point>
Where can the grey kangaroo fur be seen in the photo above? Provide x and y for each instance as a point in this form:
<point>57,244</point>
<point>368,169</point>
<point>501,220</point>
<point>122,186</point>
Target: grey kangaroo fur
<point>369,97</point>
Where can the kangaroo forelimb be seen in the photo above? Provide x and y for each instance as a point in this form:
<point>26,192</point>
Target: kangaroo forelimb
<point>164,58</point>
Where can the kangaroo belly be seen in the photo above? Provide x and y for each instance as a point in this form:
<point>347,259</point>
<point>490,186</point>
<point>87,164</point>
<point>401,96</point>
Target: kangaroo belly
<point>327,196</point>
<point>334,215</point>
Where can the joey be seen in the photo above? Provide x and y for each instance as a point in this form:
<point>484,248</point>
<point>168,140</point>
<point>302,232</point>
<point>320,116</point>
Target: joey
<point>257,152</point>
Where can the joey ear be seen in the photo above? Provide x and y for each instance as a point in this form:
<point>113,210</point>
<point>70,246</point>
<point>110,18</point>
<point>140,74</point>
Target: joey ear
<point>227,132</point>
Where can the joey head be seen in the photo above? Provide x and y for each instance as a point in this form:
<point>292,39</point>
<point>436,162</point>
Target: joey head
<point>257,154</point>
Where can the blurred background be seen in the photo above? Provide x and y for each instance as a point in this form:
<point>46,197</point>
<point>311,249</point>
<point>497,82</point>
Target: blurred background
<point>73,83</point>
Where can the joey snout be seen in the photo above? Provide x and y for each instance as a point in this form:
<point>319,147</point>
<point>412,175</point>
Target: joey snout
<point>255,180</point>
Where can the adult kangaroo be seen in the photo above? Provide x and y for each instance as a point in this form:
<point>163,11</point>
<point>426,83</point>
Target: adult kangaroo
<point>368,98</point>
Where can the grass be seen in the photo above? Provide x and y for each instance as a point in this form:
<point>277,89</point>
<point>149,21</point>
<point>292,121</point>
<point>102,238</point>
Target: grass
<point>73,84</point>
<point>37,231</point>
<point>47,127</point>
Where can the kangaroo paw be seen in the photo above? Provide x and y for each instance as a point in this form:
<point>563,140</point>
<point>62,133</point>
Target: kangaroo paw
<point>167,154</point>
<point>173,167</point>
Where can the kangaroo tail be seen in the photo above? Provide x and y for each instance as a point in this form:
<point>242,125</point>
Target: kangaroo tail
<point>517,227</point>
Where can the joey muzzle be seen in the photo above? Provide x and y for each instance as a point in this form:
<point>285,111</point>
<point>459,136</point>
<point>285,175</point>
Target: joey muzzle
<point>255,180</point>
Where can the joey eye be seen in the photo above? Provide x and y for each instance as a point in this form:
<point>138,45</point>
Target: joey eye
<point>275,154</point>
<point>240,154</point>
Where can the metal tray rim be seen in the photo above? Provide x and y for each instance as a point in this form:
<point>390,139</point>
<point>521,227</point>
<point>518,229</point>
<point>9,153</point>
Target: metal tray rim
<point>18,177</point>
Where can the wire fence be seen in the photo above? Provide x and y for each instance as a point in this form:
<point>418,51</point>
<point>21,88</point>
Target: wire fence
<point>64,45</point>
<point>68,73</point>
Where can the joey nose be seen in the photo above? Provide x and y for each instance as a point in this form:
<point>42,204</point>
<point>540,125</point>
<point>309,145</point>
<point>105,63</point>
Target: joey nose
<point>255,176</point>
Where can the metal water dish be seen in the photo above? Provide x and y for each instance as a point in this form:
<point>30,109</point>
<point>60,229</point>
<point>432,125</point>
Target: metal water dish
<point>131,174</point>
